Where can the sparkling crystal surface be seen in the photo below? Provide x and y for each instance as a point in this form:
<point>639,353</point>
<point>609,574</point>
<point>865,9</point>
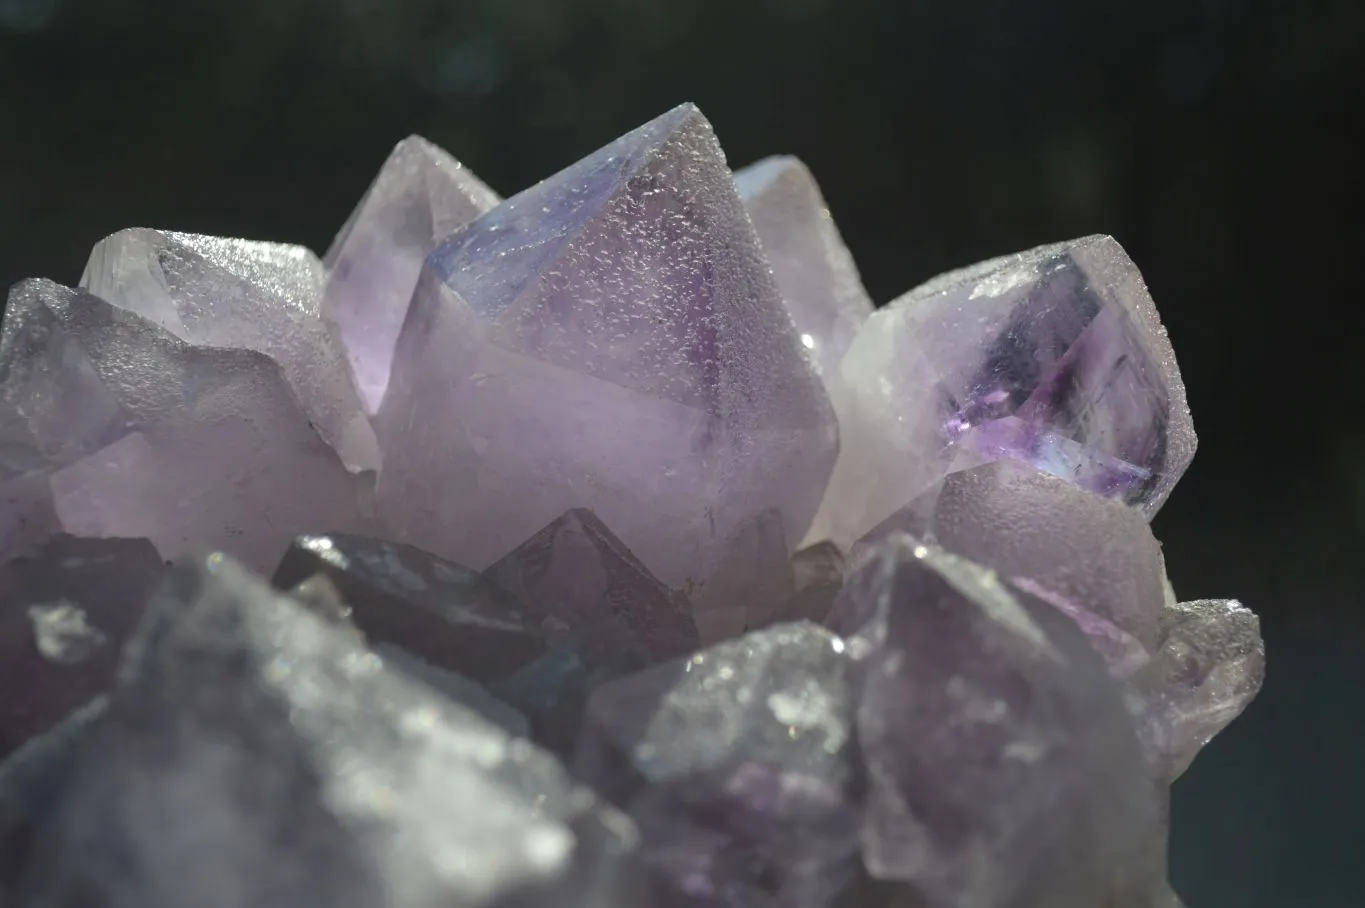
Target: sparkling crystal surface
<point>420,196</point>
<point>814,269</point>
<point>66,609</point>
<point>738,764</point>
<point>1209,666</point>
<point>216,292</point>
<point>1003,767</point>
<point>611,338</point>
<point>222,456</point>
<point>1031,525</point>
<point>1054,357</point>
<point>257,755</point>
<point>442,613</point>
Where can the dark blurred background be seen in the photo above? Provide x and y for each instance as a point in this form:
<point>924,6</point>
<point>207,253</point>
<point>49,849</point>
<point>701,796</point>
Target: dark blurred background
<point>1219,140</point>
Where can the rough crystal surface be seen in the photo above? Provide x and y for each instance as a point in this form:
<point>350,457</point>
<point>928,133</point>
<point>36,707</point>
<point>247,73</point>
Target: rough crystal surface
<point>576,574</point>
<point>611,338</point>
<point>258,755</point>
<point>738,764</point>
<point>1209,666</point>
<point>420,196</point>
<point>442,613</point>
<point>1031,525</point>
<point>66,609</point>
<point>814,269</point>
<point>222,456</point>
<point>1003,768</point>
<point>216,292</point>
<point>1054,357</point>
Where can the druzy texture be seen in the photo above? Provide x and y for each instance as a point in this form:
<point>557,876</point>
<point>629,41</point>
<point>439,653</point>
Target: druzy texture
<point>620,554</point>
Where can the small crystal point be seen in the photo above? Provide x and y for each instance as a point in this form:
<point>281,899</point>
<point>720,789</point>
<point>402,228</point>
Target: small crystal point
<point>611,338</point>
<point>753,580</point>
<point>257,755</point>
<point>1054,357</point>
<point>814,269</point>
<point>66,609</point>
<point>420,196</point>
<point>1208,668</point>
<point>440,612</point>
<point>231,293</point>
<point>1002,764</point>
<point>1026,524</point>
<point>577,573</point>
<point>738,763</point>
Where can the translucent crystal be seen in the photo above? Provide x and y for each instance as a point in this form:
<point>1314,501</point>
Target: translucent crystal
<point>814,269</point>
<point>611,338</point>
<point>753,578</point>
<point>222,456</point>
<point>442,613</point>
<point>256,754</point>
<point>1002,764</point>
<point>1054,357</point>
<point>230,293</point>
<point>420,197</point>
<point>738,763</point>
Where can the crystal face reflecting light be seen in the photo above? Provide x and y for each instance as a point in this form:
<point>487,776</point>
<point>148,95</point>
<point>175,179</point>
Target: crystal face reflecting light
<point>622,556</point>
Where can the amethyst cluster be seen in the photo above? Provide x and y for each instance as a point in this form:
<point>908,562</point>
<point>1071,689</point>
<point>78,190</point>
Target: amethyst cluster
<point>620,555</point>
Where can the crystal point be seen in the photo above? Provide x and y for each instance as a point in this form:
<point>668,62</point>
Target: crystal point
<point>1002,764</point>
<point>420,196</point>
<point>611,338</point>
<point>442,613</point>
<point>738,764</point>
<point>230,293</point>
<point>814,269</point>
<point>256,754</point>
<point>1209,667</point>
<point>1054,357</point>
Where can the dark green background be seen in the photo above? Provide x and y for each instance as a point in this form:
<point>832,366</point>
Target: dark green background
<point>1219,140</point>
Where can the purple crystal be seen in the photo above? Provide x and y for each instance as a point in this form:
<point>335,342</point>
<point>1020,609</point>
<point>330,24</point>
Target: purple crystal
<point>738,764</point>
<point>66,609</point>
<point>1209,666</point>
<point>439,612</point>
<point>222,455</point>
<point>1003,768</point>
<point>1033,526</point>
<point>215,292</point>
<point>819,574</point>
<point>814,269</point>
<point>420,196</point>
<point>753,578</point>
<point>575,573</point>
<point>612,339</point>
<point>257,755</point>
<point>1054,357</point>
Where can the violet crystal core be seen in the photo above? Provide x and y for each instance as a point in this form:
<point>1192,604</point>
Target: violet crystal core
<point>621,556</point>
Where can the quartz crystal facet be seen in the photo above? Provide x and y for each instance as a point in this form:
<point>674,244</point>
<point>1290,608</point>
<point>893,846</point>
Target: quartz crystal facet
<point>620,555</point>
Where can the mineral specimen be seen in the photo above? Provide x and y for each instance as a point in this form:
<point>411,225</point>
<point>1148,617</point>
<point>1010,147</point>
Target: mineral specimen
<point>420,197</point>
<point>1003,768</point>
<point>66,609</point>
<point>1054,357</point>
<point>216,451</point>
<point>610,338</point>
<point>537,470</point>
<point>256,755</point>
<point>240,294</point>
<point>814,270</point>
<point>739,765</point>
